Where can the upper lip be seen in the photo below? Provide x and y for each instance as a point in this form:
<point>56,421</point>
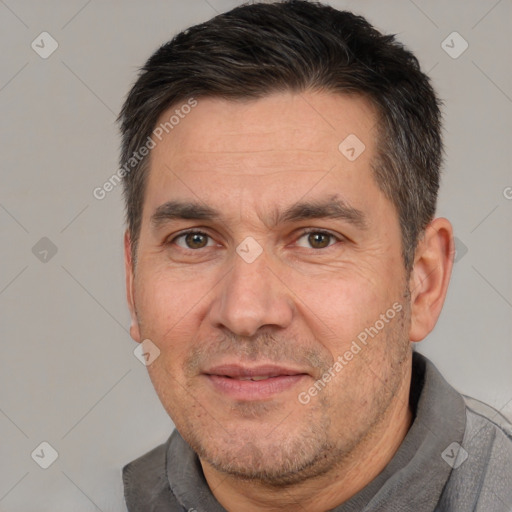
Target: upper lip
<point>236,371</point>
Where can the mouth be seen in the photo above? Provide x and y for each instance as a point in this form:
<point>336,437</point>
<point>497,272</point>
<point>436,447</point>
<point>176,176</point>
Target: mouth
<point>253,383</point>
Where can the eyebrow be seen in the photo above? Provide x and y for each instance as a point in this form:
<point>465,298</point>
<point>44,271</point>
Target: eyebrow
<point>187,210</point>
<point>327,209</point>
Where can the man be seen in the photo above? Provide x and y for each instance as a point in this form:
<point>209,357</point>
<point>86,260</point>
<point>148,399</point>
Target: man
<point>281,168</point>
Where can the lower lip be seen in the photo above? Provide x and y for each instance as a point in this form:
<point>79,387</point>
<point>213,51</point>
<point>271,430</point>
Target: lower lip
<point>254,389</point>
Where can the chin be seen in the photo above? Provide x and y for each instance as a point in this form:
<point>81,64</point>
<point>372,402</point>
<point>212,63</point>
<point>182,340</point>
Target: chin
<point>275,460</point>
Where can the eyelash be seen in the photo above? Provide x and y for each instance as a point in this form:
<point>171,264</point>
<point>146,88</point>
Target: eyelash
<point>303,233</point>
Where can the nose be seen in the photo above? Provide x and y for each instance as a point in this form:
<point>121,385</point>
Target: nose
<point>251,296</point>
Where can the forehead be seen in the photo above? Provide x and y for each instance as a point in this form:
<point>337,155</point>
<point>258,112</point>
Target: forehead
<point>275,147</point>
<point>307,122</point>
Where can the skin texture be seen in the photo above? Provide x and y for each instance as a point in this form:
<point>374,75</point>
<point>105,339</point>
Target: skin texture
<point>300,303</point>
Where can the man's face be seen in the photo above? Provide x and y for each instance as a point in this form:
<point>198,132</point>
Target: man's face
<point>298,255</point>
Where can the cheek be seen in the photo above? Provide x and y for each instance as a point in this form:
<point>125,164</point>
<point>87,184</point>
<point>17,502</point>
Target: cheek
<point>339,304</point>
<point>164,304</point>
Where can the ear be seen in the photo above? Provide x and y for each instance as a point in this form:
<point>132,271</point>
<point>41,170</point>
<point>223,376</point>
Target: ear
<point>129,270</point>
<point>430,276</point>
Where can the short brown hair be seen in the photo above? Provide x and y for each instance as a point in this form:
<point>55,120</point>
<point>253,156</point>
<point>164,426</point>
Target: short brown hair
<point>292,45</point>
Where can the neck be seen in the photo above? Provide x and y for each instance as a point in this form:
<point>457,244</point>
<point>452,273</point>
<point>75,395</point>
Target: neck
<point>331,489</point>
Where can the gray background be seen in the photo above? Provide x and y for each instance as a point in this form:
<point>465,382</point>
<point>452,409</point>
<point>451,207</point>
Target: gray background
<point>68,375</point>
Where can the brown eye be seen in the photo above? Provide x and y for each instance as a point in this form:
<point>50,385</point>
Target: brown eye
<point>193,240</point>
<point>196,240</point>
<point>317,240</point>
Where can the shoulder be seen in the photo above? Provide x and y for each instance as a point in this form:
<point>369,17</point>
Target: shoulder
<point>146,486</point>
<point>481,478</point>
<point>488,416</point>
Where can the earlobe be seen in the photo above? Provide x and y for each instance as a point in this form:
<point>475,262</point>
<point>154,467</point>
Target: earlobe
<point>129,276</point>
<point>430,277</point>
